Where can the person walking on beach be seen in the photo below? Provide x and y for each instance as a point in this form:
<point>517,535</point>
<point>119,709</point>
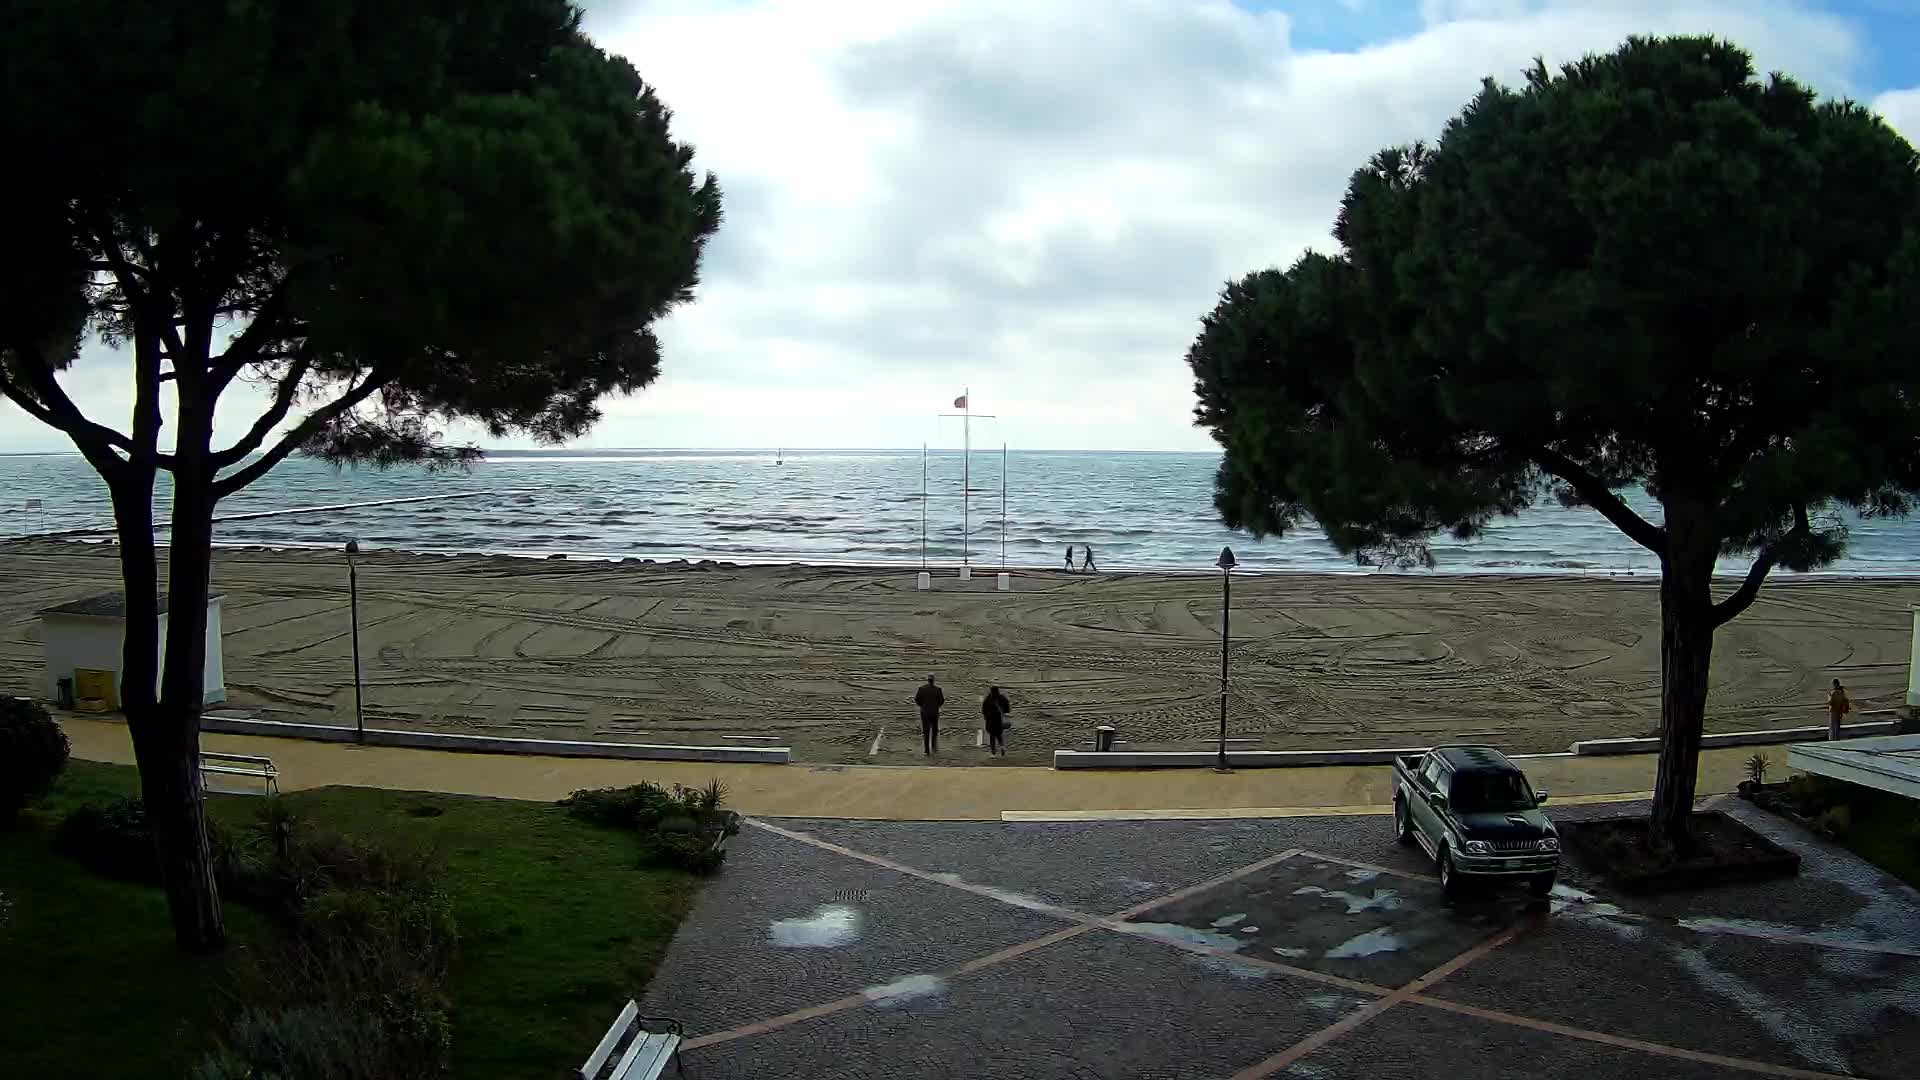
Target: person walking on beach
<point>1837,707</point>
<point>1086,552</point>
<point>994,708</point>
<point>1069,558</point>
<point>929,698</point>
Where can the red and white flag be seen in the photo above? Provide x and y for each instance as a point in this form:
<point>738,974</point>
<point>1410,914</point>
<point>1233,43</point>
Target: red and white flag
<point>960,402</point>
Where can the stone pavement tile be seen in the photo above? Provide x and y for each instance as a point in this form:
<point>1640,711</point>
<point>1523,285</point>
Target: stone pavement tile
<point>1101,867</point>
<point>1410,1042</point>
<point>785,926</point>
<point>1593,968</point>
<point>1092,1007</point>
<point>1355,923</point>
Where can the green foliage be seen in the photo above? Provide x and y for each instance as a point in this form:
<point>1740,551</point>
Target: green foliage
<point>113,840</point>
<point>557,927</point>
<point>1757,766</point>
<point>311,1043</point>
<point>1835,821</point>
<point>679,829</point>
<point>1647,268</point>
<point>33,751</point>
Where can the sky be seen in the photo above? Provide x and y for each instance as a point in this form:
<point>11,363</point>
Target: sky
<point>1037,201</point>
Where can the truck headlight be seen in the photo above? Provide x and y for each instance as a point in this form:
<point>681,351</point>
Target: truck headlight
<point>1478,847</point>
<point>1549,843</point>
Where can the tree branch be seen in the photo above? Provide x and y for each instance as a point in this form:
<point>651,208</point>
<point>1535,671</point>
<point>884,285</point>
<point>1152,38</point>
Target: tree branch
<point>137,296</point>
<point>57,411</point>
<point>283,397</point>
<point>1597,495</point>
<point>292,440</point>
<point>1742,598</point>
<point>245,349</point>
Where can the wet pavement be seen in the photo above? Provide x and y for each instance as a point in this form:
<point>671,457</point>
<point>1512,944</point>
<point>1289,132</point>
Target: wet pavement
<point>1299,947</point>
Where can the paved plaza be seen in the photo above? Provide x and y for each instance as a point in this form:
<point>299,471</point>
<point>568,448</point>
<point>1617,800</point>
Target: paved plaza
<point>1292,947</point>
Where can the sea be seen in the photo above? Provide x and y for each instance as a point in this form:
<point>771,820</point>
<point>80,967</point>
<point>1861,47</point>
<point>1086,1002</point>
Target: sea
<point>1138,511</point>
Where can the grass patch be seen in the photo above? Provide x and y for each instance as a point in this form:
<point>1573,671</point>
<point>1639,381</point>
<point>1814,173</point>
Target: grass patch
<point>558,927</point>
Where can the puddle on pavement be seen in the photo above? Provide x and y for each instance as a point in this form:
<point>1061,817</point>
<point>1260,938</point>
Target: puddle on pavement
<point>1381,900</point>
<point>901,991</point>
<point>1289,953</point>
<point>1372,943</point>
<point>1568,899</point>
<point>829,927</point>
<point>1187,935</point>
<point>1362,875</point>
<point>1005,896</point>
<point>1225,921</point>
<point>1818,936</point>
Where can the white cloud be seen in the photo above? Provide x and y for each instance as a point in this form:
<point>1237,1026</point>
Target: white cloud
<point>1901,108</point>
<point>1040,200</point>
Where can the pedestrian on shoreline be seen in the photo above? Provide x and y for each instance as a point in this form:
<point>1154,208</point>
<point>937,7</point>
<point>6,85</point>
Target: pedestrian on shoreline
<point>1837,707</point>
<point>929,698</point>
<point>1086,552</point>
<point>1069,558</point>
<point>994,708</point>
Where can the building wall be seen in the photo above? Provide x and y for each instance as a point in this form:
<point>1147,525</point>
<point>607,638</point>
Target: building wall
<point>80,641</point>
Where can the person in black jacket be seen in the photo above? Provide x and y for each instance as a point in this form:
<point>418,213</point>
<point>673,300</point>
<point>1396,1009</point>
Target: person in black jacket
<point>994,708</point>
<point>929,698</point>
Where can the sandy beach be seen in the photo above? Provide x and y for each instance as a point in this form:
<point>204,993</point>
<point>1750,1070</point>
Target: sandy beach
<point>826,660</point>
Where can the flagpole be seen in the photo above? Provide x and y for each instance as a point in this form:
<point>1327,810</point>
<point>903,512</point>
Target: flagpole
<point>1003,506</point>
<point>966,482</point>
<point>923,506</point>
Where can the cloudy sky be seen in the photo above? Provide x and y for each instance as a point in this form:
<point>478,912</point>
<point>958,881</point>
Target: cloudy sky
<point>1038,200</point>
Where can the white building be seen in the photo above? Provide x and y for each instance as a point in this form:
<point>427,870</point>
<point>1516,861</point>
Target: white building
<point>88,634</point>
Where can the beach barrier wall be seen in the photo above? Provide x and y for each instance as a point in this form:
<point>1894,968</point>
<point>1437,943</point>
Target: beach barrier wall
<point>1239,759</point>
<point>1591,747</point>
<point>497,744</point>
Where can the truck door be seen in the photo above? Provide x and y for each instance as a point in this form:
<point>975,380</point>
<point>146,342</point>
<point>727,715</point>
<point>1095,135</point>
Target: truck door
<point>1432,776</point>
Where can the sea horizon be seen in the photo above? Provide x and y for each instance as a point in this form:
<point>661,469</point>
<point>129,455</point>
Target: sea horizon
<point>1141,510</point>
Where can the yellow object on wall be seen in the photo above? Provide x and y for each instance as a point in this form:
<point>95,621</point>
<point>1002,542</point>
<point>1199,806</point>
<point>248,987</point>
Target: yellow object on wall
<point>94,683</point>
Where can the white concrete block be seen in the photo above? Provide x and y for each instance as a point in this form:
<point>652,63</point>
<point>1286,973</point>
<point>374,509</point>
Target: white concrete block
<point>966,573</point>
<point>923,581</point>
<point>1005,582</point>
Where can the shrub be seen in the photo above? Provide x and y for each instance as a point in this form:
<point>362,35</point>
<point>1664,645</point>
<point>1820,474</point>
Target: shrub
<point>112,840</point>
<point>639,806</point>
<point>1757,766</point>
<point>319,1042</point>
<point>1811,795</point>
<point>1835,821</point>
<point>33,751</point>
<point>690,851</point>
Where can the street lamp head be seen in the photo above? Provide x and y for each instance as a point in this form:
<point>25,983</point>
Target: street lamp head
<point>353,547</point>
<point>1226,561</point>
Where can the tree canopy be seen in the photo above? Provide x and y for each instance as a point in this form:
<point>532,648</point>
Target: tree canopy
<point>385,215</point>
<point>1649,268</point>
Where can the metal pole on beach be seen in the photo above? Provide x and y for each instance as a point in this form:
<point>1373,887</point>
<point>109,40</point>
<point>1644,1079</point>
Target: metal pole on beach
<point>966,482</point>
<point>1003,506</point>
<point>923,506</point>
<point>1225,563</point>
<point>353,600</point>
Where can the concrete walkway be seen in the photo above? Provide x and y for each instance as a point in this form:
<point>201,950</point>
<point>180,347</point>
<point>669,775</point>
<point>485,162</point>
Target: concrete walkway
<point>907,793</point>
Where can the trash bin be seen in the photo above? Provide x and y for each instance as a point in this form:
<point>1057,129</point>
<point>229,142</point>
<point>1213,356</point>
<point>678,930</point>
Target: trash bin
<point>1102,739</point>
<point>65,696</point>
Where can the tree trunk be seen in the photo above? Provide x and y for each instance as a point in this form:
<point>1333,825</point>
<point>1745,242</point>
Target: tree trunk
<point>173,785</point>
<point>164,746</point>
<point>1686,654</point>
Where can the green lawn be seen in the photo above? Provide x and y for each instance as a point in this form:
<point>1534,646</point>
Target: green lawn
<point>558,927</point>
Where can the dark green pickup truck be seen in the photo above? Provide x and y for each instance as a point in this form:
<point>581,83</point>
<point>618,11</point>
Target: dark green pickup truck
<point>1474,812</point>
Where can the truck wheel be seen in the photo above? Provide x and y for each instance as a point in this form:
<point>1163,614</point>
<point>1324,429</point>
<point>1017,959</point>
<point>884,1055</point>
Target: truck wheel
<point>1541,886</point>
<point>1402,821</point>
<point>1450,883</point>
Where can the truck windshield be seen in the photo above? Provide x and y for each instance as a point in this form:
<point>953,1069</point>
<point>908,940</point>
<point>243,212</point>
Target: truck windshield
<point>1490,793</point>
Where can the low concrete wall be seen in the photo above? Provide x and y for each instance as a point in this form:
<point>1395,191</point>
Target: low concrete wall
<point>1239,759</point>
<point>497,744</point>
<point>1590,747</point>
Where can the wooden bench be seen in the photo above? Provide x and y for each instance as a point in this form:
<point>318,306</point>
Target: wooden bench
<point>260,768</point>
<point>643,1053</point>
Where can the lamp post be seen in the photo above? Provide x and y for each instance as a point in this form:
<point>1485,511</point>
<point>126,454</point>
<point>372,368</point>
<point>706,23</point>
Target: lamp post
<point>353,599</point>
<point>1225,562</point>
